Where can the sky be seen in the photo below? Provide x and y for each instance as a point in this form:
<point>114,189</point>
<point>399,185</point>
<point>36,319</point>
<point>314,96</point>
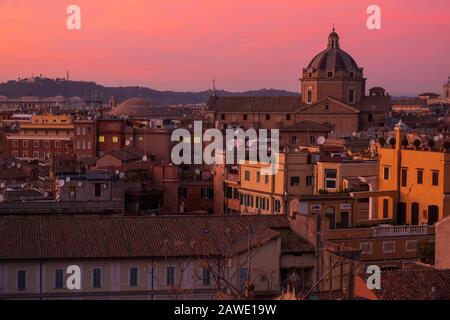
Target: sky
<point>244,44</point>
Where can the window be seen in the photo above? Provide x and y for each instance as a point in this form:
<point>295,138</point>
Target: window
<point>411,245</point>
<point>98,190</point>
<point>115,139</point>
<point>389,246</point>
<point>72,192</point>
<point>25,143</point>
<point>245,117</point>
<point>35,154</point>
<point>247,175</point>
<point>267,116</point>
<point>59,279</point>
<point>295,181</point>
<point>385,208</point>
<point>83,131</point>
<point>351,95</point>
<point>386,173</point>
<point>235,194</point>
<point>370,118</point>
<point>78,131</point>
<point>207,193</point>
<point>222,117</point>
<point>96,278</point>
<point>294,140</point>
<point>288,117</point>
<point>309,181</point>
<point>15,143</point>
<point>266,179</point>
<point>134,277</point>
<point>277,206</point>
<point>312,139</point>
<point>330,178</point>
<point>404,177</point>
<point>21,280</point>
<point>36,143</point>
<point>57,144</point>
<point>330,74</point>
<point>435,178</point>
<point>101,139</point>
<point>206,277</point>
<point>365,247</point>
<point>433,215</point>
<point>15,154</point>
<point>243,277</point>
<point>170,276</point>
<point>309,95</point>
<point>182,193</point>
<point>419,176</point>
<point>352,74</point>
<point>258,177</point>
<point>46,144</point>
<point>25,154</point>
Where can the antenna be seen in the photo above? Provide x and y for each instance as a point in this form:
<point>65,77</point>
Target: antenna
<point>214,87</point>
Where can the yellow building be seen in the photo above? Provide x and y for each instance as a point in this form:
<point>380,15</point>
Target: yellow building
<point>414,185</point>
<point>248,191</point>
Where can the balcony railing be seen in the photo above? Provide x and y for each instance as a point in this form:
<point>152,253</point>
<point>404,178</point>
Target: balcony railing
<point>393,231</point>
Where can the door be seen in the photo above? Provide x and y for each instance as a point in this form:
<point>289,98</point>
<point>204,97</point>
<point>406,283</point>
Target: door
<point>433,215</point>
<point>415,214</point>
<point>345,220</point>
<point>401,213</point>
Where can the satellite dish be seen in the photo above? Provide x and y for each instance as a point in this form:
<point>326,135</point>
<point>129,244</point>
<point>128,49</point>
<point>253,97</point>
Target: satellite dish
<point>18,166</point>
<point>354,134</point>
<point>80,183</point>
<point>117,172</point>
<point>13,164</point>
<point>320,140</point>
<point>197,172</point>
<point>127,142</point>
<point>436,138</point>
<point>121,175</point>
<point>68,179</point>
<point>45,194</point>
<point>2,185</point>
<point>61,183</point>
<point>131,138</point>
<point>144,158</point>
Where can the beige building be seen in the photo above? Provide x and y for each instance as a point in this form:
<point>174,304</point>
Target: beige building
<point>152,257</point>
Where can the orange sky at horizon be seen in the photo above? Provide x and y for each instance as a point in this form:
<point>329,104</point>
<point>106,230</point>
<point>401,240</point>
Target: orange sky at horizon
<point>248,44</point>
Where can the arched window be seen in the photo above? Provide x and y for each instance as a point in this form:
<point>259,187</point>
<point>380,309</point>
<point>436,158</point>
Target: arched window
<point>309,95</point>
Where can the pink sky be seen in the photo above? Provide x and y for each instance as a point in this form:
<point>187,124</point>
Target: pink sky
<point>244,44</point>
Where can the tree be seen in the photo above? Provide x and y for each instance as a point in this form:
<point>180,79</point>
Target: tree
<point>392,142</point>
<point>405,142</point>
<point>417,143</point>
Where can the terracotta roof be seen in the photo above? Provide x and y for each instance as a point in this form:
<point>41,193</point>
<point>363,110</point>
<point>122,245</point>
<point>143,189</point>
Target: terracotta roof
<point>254,104</point>
<point>375,104</point>
<point>306,126</point>
<point>292,243</point>
<point>130,237</point>
<point>127,154</point>
<point>423,284</point>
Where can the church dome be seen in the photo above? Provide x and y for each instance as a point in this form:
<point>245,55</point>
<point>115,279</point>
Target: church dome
<point>134,108</point>
<point>333,58</point>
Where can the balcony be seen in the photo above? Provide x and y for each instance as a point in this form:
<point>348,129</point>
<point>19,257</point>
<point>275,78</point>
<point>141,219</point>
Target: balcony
<point>398,231</point>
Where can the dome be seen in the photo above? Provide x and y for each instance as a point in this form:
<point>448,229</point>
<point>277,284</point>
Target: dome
<point>134,107</point>
<point>136,102</point>
<point>333,58</point>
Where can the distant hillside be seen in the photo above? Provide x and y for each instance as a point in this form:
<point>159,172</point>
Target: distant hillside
<point>45,87</point>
